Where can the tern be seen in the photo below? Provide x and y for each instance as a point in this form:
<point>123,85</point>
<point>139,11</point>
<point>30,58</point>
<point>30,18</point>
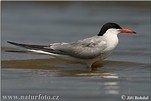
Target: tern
<point>86,51</point>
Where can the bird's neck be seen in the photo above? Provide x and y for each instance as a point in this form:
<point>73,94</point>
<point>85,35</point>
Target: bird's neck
<point>112,41</point>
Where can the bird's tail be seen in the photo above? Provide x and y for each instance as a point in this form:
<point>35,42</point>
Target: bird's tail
<point>27,46</point>
<point>43,49</point>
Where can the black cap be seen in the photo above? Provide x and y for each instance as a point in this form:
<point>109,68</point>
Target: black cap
<point>107,26</point>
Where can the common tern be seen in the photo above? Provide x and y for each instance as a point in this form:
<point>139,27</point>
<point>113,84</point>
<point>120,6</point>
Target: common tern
<point>87,51</point>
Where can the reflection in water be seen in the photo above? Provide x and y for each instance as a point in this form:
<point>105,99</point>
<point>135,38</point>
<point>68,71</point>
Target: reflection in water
<point>111,87</point>
<point>72,21</point>
<point>51,64</point>
<point>110,76</point>
<point>105,80</point>
<point>63,68</point>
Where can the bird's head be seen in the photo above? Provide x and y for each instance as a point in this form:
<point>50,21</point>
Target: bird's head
<point>113,28</point>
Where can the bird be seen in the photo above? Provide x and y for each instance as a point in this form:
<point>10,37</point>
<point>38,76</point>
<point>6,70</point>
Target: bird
<point>86,51</point>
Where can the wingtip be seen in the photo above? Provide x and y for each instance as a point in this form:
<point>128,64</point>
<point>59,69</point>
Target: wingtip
<point>9,42</point>
<point>13,43</point>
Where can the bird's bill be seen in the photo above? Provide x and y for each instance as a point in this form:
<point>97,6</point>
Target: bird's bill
<point>126,31</point>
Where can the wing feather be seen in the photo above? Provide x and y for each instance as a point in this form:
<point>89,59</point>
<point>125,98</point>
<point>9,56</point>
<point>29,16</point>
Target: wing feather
<point>84,49</point>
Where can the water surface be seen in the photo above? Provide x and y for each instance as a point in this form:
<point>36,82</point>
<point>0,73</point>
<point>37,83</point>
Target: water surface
<point>125,72</point>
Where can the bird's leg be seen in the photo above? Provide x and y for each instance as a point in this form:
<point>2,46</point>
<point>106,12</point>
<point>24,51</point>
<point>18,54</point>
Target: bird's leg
<point>94,66</point>
<point>91,67</point>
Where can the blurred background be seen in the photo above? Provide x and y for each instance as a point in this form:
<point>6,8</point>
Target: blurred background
<point>125,72</point>
<point>48,22</point>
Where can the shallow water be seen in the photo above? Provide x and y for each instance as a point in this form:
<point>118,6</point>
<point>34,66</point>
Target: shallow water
<point>125,72</point>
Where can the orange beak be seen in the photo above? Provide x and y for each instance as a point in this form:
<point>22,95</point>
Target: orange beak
<point>126,31</point>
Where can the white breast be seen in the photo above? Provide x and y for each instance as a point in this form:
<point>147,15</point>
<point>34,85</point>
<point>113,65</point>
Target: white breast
<point>111,41</point>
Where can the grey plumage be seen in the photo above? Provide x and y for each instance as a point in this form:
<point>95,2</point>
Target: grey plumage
<point>87,51</point>
<point>88,48</point>
<point>84,49</point>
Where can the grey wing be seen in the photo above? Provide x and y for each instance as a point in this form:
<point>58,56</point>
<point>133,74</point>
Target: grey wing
<point>86,49</point>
